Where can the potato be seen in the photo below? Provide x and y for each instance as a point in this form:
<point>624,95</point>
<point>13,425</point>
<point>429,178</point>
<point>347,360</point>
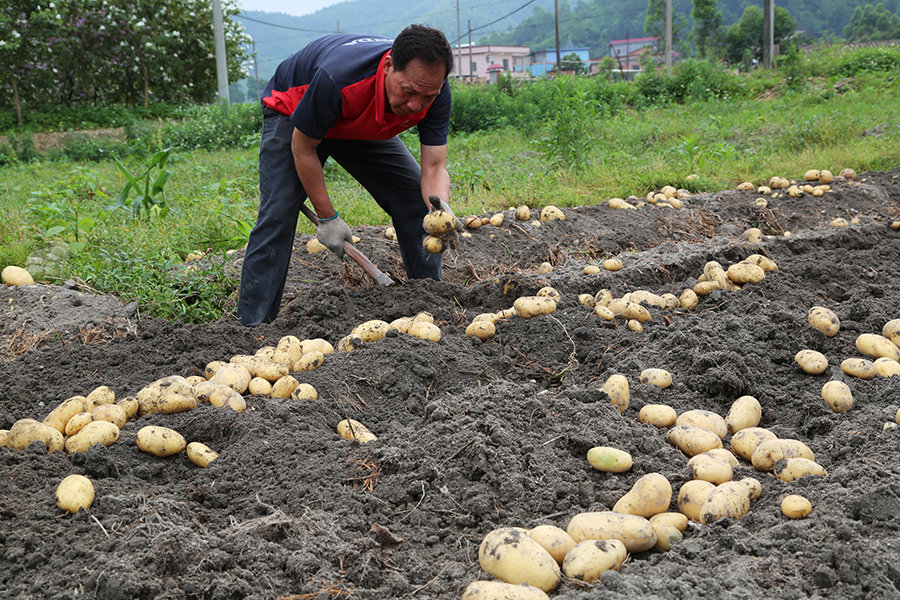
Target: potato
<point>691,497</point>
<point>483,330</point>
<point>309,362</point>
<point>693,440</point>
<point>201,454</point>
<point>629,310</point>
<point>95,432</point>
<point>350,429</point>
<point>604,313</point>
<point>745,273</point>
<point>619,204</point>
<point>648,298</point>
<point>658,415</point>
<point>114,414</point>
<point>314,246</point>
<point>372,331</point>
<point>791,469</point>
<point>77,422</point>
<point>552,213</point>
<point>496,220</point>
<point>533,306</point>
<point>472,222</point>
<point>764,262</point>
<point>795,507</point>
<point>709,467</point>
<point>838,396</point>
<point>676,519</point>
<point>635,532</point>
<point>100,395</point>
<point>745,186</point>
<point>878,346</point>
<point>729,500</point>
<point>510,555</point>
<point>319,344</point>
<point>771,451</point>
<point>554,540</point>
<point>402,324</point>
<point>130,405</point>
<point>891,330</point>
<point>824,320</point>
<point>650,495</point>
<point>549,292</point>
<point>811,175</point>
<point>173,384</point>
<point>745,412</point>
<point>3,435</point>
<point>284,386</point>
<point>811,362</point>
<point>591,270</point>
<point>438,222</point>
<point>350,343</point>
<point>159,441</point>
<point>195,379</point>
<point>613,264</point>
<point>211,367</point>
<point>588,560</point>
<point>265,353</point>
<point>433,244</point>
<point>270,370</point>
<point>167,404</point>
<point>616,388</point>
<point>235,376</point>
<point>425,331</point>
<point>500,590</point>
<point>66,409</point>
<point>235,402</point>
<point>666,536</point>
<point>658,377</point>
<point>423,316</point>
<point>523,213</point>
<point>74,492</point>
<point>887,367</point>
<point>259,387</point>
<point>287,351</point>
<point>704,419</point>
<point>859,367</point>
<point>609,460</point>
<point>16,276</point>
<point>704,288</point>
<point>603,297</point>
<point>25,431</point>
<point>723,454</point>
<point>586,300</point>
<point>217,394</point>
<point>745,441</point>
<point>688,299</point>
<point>304,391</point>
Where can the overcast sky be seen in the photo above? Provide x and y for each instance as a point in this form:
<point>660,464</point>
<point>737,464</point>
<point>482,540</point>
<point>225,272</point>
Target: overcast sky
<point>291,7</point>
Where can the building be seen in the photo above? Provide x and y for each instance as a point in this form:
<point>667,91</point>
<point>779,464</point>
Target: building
<point>628,52</point>
<point>485,63</point>
<point>542,62</point>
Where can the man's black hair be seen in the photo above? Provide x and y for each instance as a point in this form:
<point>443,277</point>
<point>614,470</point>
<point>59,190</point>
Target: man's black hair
<point>425,43</point>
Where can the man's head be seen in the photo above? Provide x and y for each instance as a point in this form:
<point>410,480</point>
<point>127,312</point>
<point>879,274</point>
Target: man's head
<point>420,60</point>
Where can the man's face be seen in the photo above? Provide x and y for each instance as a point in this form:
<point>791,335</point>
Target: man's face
<point>412,89</point>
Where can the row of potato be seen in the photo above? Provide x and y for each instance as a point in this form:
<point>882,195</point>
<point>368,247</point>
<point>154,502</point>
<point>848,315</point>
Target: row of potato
<point>438,224</point>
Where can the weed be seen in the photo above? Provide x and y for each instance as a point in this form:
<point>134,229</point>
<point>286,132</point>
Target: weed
<point>148,188</point>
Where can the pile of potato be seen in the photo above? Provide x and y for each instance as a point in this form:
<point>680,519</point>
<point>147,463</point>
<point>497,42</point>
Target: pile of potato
<point>544,302</point>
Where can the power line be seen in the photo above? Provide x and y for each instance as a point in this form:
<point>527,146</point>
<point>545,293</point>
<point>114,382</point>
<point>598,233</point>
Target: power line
<point>243,16</point>
<point>495,20</point>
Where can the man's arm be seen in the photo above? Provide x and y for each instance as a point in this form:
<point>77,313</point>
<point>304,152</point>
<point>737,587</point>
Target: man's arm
<point>435,178</point>
<point>310,172</point>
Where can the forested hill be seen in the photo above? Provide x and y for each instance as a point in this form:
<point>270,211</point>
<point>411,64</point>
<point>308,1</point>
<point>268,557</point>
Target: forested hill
<point>587,23</point>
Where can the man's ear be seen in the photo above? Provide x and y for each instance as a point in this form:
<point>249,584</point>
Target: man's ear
<point>388,63</point>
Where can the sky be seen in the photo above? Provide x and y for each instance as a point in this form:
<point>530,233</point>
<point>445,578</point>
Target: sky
<point>291,7</point>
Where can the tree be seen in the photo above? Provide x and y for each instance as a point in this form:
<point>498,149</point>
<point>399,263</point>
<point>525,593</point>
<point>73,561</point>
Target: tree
<point>655,25</point>
<point>743,41</point>
<point>572,62</point>
<point>707,23</point>
<point>872,23</point>
<point>23,28</point>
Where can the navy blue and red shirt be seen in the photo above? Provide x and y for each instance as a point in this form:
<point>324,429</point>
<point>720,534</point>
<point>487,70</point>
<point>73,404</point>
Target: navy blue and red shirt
<point>334,88</point>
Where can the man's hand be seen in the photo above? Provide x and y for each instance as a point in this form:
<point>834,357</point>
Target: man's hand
<point>453,235</point>
<point>333,233</point>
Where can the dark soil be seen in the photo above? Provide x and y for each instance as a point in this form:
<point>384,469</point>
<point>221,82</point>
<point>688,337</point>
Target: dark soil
<point>472,435</point>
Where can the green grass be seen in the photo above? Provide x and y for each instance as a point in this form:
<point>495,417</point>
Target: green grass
<point>210,201</point>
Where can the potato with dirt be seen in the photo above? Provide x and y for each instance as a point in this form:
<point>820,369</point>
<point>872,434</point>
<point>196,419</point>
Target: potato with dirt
<point>510,555</point>
<point>500,590</point>
<point>634,531</point>
<point>609,460</point>
<point>554,540</point>
<point>95,432</point>
<point>26,431</point>
<point>745,412</point>
<point>616,388</point>
<point>650,495</point>
<point>693,440</point>
<point>588,560</point>
<point>159,441</point>
<point>75,492</point>
<point>824,319</point>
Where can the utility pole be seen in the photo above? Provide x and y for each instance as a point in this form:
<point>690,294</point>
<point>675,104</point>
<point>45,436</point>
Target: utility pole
<point>458,44</point>
<point>255,67</point>
<point>471,75</point>
<point>668,51</point>
<point>338,27</point>
<point>768,33</point>
<point>556,12</point>
<point>219,35</point>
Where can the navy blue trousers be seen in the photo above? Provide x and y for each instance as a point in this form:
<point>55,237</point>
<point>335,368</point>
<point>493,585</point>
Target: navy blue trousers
<point>385,168</point>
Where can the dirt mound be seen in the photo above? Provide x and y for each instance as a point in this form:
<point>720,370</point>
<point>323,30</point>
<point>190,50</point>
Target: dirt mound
<point>477,435</point>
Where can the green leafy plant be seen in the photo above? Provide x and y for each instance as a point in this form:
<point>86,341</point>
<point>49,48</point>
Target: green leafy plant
<point>65,210</point>
<point>148,187</point>
<point>569,143</point>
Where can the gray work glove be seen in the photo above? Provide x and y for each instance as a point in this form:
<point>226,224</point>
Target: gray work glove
<point>451,238</point>
<point>333,233</point>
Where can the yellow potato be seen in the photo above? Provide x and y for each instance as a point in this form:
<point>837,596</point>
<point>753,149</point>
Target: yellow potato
<point>745,412</point>
<point>635,532</point>
<point>26,431</point>
<point>688,299</point>
<point>729,500</point>
<point>284,386</point>
<point>423,316</point>
<point>201,454</point>
<point>603,297</point>
<point>472,222</point>
<point>658,415</point>
<point>705,287</point>
<point>496,220</point>
<point>195,379</point>
<point>745,273</point>
<point>95,432</point>
<point>350,429</point>
<point>745,441</point>
<point>745,186</point>
<point>167,404</point>
<point>629,310</point>
<point>588,560</point>
<point>259,387</point>
<point>483,330</point>
<point>174,384</point>
<point>791,469</point>
<point>304,391</point>
<point>591,270</point>
<point>402,324</point>
<point>77,422</point>
<point>675,519</point>
<point>510,555</point>
<point>549,292</point>
<point>609,460</point>
<point>811,362</point>
<point>309,362</point>
<point>533,306</point>
<point>425,331</point>
<point>616,388</point>
<point>438,222</point>
<point>704,419</point>
<point>235,376</point>
<point>500,590</point>
<point>100,395</point>
<point>658,377</point>
<point>671,301</point>
<point>613,264</point>
<point>693,440</point>
<point>112,413</point>
<point>16,276</point>
<point>648,298</point>
<point>66,409</point>
<point>552,213</point>
<point>709,467</point>
<point>723,454</point>
<point>887,367</point>
<point>666,535</point>
<point>235,402</point>
<point>878,346</point>
<point>159,441</point>
<point>650,495</point>
<point>211,367</point>
<point>270,370</point>
<point>619,204</point>
<point>891,330</point>
<point>433,244</point>
<point>604,313</point>
<point>587,300</point>
<point>314,246</point>
<point>754,486</point>
<point>523,213</point>
<point>319,344</point>
<point>350,343</point>
<point>770,452</point>
<point>838,396</point>
<point>288,350</point>
<point>795,507</point>
<point>691,497</point>
<point>130,405</point>
<point>266,352</point>
<point>766,263</point>
<point>824,320</point>
<point>74,493</point>
<point>554,540</point>
<point>372,331</point>
<point>859,367</point>
<point>713,271</point>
